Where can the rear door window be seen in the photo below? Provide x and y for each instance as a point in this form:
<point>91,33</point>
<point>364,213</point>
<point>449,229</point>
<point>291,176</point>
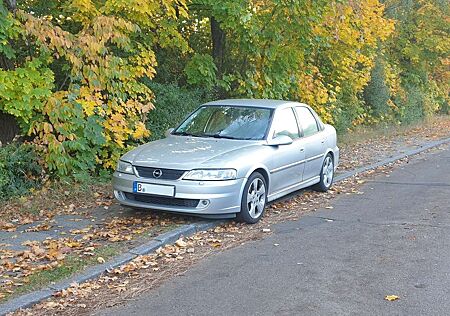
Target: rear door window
<point>307,121</point>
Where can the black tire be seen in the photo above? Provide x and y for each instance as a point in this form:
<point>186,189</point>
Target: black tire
<point>252,211</point>
<point>326,178</point>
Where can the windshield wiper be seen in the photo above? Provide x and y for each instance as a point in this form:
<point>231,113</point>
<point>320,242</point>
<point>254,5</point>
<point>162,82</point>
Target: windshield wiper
<point>185,134</point>
<point>220,136</point>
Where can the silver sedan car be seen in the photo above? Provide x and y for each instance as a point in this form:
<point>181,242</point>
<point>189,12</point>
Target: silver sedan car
<point>229,158</point>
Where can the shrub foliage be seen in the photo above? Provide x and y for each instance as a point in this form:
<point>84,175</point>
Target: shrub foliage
<point>19,170</point>
<point>172,105</point>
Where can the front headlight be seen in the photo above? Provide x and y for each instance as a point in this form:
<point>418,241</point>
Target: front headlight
<point>125,167</point>
<point>211,174</point>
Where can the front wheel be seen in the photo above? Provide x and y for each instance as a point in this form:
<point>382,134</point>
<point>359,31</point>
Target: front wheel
<point>254,199</point>
<point>326,174</point>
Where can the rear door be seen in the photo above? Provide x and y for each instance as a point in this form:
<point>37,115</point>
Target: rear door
<point>314,141</point>
<point>287,161</point>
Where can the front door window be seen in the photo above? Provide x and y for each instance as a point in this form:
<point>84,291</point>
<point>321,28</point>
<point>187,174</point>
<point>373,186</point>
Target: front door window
<point>285,124</point>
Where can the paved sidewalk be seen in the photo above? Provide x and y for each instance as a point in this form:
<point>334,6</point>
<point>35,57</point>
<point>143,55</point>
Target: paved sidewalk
<point>65,226</point>
<point>393,239</point>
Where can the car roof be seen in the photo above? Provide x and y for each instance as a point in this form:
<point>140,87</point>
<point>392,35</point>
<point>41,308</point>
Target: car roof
<point>264,103</point>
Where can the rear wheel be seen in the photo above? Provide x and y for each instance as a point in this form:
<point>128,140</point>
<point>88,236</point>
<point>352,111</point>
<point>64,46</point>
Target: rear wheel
<point>254,199</point>
<point>326,174</point>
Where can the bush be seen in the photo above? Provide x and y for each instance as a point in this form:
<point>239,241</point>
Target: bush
<point>412,108</point>
<point>19,170</point>
<point>445,107</point>
<point>201,71</point>
<point>376,93</point>
<point>348,108</point>
<point>172,105</point>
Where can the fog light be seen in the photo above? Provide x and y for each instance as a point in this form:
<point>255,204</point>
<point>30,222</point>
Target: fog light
<point>204,203</point>
<point>119,195</point>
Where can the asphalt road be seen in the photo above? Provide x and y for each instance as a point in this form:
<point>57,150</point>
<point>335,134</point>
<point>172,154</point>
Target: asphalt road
<point>393,239</point>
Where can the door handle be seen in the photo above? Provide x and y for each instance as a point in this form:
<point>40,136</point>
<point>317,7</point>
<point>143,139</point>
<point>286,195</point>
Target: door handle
<point>323,141</point>
<point>302,149</point>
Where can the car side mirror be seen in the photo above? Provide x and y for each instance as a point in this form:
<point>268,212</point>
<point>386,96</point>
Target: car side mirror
<point>169,131</point>
<point>280,140</point>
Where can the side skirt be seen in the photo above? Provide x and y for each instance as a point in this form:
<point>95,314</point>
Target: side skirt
<point>292,188</point>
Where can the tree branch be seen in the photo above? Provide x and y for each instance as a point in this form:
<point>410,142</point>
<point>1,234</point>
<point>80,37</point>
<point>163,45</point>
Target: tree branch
<point>11,4</point>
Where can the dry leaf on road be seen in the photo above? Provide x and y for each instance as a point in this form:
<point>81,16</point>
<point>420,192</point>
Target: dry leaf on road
<point>391,298</point>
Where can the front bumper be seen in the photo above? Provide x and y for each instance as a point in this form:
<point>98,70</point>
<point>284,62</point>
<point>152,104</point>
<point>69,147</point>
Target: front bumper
<point>214,197</point>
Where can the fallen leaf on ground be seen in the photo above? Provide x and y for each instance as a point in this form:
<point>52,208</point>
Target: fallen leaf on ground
<point>54,252</point>
<point>73,244</point>
<point>38,228</point>
<point>51,304</point>
<point>391,298</point>
<point>9,227</point>
<point>181,243</point>
<point>100,260</point>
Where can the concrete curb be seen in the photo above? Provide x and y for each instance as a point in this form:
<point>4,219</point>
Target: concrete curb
<point>35,297</point>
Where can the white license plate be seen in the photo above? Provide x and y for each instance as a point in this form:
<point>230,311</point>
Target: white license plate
<point>156,189</point>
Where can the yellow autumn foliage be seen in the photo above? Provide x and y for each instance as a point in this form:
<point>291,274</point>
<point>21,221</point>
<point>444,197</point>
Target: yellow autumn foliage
<point>102,111</point>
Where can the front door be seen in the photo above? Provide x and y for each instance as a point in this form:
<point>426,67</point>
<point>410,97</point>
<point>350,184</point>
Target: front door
<point>287,161</point>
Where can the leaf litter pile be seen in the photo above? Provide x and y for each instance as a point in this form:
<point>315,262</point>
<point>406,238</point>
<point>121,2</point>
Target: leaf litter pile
<point>147,272</point>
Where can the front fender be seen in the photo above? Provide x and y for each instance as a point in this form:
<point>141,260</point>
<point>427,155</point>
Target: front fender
<point>265,172</point>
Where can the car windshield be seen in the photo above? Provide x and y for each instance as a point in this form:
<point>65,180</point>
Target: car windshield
<point>231,122</point>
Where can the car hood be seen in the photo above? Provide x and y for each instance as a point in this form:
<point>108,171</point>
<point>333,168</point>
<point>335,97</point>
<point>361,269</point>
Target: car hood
<point>185,153</point>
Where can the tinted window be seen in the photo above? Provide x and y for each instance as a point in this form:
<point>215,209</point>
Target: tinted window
<point>307,121</point>
<point>227,122</point>
<point>285,124</point>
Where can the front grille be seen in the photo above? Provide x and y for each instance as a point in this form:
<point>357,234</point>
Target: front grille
<point>161,200</point>
<point>166,174</point>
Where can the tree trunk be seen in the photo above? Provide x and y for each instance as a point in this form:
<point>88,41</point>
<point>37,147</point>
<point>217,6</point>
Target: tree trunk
<point>11,4</point>
<point>8,128</point>
<point>8,124</point>
<point>218,45</point>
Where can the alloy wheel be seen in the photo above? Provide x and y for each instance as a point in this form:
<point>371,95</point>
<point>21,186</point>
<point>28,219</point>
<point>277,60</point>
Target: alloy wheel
<point>256,198</point>
<point>328,171</point>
